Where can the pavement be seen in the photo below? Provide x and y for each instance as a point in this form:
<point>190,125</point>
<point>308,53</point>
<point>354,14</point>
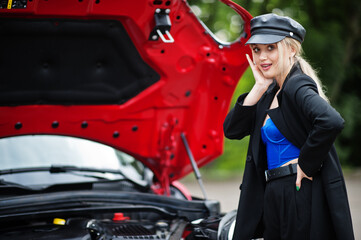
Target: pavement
<point>227,192</point>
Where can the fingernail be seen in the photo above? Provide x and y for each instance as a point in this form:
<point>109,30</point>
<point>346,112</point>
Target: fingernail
<point>297,188</point>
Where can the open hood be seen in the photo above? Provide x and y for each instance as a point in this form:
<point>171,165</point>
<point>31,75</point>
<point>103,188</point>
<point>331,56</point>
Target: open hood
<point>135,75</point>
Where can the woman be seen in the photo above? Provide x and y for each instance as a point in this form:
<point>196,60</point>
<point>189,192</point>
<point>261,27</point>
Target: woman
<point>293,186</point>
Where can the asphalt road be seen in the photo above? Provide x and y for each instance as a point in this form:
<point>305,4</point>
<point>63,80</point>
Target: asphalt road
<point>227,192</point>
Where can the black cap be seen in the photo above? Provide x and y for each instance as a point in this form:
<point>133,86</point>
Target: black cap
<point>271,28</point>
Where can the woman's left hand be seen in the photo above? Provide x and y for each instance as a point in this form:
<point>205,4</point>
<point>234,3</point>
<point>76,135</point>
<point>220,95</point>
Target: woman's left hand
<point>300,176</point>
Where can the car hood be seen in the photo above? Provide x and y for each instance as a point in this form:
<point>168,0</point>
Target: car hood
<point>100,70</point>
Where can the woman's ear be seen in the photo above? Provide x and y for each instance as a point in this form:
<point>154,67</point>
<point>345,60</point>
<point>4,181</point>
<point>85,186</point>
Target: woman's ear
<point>293,52</point>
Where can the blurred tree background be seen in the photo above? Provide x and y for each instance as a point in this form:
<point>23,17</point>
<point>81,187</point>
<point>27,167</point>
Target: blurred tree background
<point>332,46</point>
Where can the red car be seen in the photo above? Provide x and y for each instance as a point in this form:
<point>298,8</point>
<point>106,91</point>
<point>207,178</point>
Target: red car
<point>104,105</point>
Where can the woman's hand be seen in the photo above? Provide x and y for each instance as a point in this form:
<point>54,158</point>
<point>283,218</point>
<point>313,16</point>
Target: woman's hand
<point>258,75</point>
<point>300,176</point>
<point>259,88</point>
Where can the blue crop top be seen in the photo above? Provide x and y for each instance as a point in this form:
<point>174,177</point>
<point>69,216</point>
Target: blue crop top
<point>279,149</point>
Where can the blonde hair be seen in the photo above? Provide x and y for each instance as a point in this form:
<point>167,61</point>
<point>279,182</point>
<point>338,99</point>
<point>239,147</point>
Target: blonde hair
<point>305,66</point>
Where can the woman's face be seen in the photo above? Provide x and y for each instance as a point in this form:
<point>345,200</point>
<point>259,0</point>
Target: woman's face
<point>266,58</point>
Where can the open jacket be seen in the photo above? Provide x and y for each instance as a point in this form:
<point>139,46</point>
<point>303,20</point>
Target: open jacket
<point>311,124</point>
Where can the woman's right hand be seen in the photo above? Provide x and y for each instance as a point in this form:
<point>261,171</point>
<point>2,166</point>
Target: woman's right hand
<point>259,88</point>
<point>258,75</point>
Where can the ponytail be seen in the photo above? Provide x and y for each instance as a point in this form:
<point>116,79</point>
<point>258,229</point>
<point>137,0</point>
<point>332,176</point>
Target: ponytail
<point>308,70</point>
<point>305,66</point>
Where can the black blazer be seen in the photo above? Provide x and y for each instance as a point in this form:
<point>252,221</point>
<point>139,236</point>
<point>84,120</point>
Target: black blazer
<point>311,124</point>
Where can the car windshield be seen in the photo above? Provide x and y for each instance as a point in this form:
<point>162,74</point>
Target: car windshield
<point>46,151</point>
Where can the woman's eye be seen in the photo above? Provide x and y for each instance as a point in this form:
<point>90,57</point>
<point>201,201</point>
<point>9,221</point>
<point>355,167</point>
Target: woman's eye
<point>255,49</point>
<point>270,47</point>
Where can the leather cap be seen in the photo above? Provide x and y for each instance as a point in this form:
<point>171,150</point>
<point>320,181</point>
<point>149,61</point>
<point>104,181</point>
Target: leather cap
<point>272,28</point>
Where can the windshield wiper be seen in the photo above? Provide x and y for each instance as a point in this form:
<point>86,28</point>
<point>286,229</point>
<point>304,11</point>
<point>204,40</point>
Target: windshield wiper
<point>58,169</point>
<point>13,188</point>
<point>63,169</point>
<point>66,168</point>
<point>72,169</point>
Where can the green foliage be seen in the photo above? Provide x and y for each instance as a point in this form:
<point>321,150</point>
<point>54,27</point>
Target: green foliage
<point>332,46</point>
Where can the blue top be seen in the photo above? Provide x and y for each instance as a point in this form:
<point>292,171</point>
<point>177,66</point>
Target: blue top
<point>279,149</point>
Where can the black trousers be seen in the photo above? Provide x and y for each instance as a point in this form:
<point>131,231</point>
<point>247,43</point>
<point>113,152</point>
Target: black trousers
<point>287,212</point>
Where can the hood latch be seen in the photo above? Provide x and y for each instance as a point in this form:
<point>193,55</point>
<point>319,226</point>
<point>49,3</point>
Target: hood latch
<point>162,26</point>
